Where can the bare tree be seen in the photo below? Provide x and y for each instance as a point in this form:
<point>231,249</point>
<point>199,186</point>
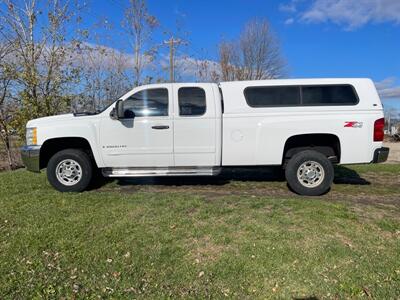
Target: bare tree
<point>7,104</point>
<point>43,54</point>
<point>140,25</point>
<point>228,61</point>
<point>207,70</point>
<point>255,55</point>
<point>104,76</point>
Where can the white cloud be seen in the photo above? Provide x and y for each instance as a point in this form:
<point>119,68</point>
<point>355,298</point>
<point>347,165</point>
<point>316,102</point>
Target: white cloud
<point>351,14</point>
<point>289,7</point>
<point>387,88</point>
<point>93,54</point>
<point>190,68</point>
<point>179,13</point>
<point>105,57</point>
<point>289,21</point>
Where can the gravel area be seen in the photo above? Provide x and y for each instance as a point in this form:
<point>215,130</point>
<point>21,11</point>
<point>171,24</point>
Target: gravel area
<point>394,154</point>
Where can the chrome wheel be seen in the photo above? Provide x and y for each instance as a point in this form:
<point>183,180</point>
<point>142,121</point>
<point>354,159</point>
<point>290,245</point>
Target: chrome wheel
<point>69,172</point>
<point>310,174</point>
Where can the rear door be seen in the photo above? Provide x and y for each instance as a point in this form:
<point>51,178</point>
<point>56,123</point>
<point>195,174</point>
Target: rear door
<point>197,125</point>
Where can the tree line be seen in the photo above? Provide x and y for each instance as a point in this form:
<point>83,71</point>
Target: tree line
<point>52,62</point>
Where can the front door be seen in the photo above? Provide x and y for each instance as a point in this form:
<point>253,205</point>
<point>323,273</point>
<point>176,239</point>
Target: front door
<point>144,138</point>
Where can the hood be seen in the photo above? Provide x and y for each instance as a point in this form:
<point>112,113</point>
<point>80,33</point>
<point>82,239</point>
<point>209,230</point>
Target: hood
<point>49,120</point>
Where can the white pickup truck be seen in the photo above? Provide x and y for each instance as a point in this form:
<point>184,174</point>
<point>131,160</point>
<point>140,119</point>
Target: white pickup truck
<point>176,129</point>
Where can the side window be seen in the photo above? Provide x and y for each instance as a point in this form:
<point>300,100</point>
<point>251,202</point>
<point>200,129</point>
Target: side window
<point>147,103</point>
<point>272,96</point>
<point>192,101</point>
<point>329,95</point>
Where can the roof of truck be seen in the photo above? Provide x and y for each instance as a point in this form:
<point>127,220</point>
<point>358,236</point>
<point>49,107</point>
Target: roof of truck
<point>299,81</point>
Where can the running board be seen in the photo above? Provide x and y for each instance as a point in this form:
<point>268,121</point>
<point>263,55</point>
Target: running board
<point>168,171</point>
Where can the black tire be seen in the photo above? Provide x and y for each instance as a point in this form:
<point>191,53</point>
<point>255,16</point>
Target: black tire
<point>84,165</point>
<point>299,186</point>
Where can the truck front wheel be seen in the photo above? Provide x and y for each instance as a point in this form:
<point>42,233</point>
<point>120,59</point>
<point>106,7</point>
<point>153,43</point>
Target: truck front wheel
<point>70,170</point>
<point>309,173</point>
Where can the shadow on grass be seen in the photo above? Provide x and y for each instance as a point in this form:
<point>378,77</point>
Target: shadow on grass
<point>227,175</point>
<point>99,181</point>
<point>345,175</point>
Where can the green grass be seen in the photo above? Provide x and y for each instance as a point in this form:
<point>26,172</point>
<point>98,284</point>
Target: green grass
<point>233,237</point>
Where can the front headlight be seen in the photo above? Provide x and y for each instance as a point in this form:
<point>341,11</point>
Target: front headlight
<point>31,136</point>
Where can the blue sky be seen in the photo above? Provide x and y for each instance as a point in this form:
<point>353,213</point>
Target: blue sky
<point>319,38</point>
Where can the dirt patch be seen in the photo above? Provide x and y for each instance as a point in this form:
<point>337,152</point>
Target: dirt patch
<point>15,155</point>
<point>377,212</point>
<point>378,200</point>
<point>232,182</point>
<point>344,240</point>
<point>369,188</point>
<point>383,178</point>
<point>210,193</point>
<point>372,188</point>
<point>276,192</point>
<point>203,250</point>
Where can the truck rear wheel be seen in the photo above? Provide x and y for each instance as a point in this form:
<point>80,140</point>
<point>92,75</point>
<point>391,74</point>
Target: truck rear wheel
<point>309,173</point>
<point>70,170</point>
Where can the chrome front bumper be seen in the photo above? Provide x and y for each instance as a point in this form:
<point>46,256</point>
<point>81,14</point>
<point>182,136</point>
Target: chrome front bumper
<point>30,157</point>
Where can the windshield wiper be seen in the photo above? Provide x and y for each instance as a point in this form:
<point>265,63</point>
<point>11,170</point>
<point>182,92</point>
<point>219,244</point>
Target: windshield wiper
<point>85,113</point>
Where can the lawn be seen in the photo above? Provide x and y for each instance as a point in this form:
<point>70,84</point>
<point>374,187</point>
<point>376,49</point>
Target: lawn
<point>240,235</point>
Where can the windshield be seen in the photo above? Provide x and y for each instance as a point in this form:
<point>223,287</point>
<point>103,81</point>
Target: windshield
<point>104,105</point>
<point>84,112</point>
<point>99,111</point>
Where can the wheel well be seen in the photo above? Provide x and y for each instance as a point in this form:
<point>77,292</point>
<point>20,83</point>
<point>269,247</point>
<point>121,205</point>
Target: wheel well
<point>52,146</point>
<point>327,144</point>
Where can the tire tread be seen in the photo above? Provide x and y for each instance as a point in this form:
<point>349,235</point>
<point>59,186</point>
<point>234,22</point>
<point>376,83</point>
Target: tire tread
<point>82,158</point>
<point>296,161</point>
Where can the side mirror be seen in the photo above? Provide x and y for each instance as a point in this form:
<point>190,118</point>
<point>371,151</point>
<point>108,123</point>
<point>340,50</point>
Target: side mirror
<point>119,113</point>
<point>119,109</point>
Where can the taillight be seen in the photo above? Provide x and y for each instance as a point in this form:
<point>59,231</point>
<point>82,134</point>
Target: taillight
<point>378,130</point>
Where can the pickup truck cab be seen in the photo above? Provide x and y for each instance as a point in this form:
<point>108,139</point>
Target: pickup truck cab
<point>177,129</point>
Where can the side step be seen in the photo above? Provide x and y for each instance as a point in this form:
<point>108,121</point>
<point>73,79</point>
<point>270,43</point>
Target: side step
<point>167,171</point>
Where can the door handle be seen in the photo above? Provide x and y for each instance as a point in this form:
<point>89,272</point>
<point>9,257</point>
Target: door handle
<point>160,127</point>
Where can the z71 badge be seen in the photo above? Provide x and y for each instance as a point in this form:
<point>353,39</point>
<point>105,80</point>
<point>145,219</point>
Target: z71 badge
<point>353,124</point>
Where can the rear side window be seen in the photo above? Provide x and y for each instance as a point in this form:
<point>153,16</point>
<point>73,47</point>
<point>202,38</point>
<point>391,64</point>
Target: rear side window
<point>192,101</point>
<point>329,95</point>
<point>147,103</point>
<point>272,96</point>
<point>309,95</point>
